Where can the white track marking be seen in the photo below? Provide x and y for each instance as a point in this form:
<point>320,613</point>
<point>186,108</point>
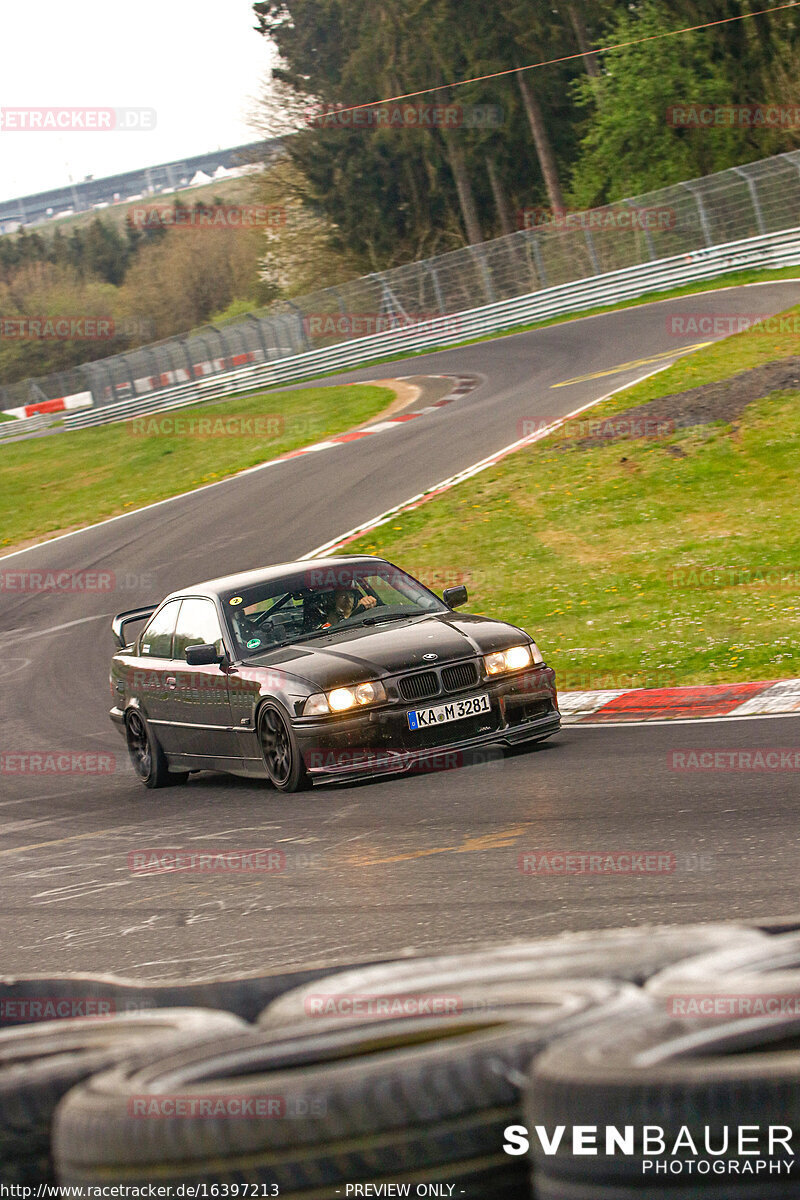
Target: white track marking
<point>475,469</point>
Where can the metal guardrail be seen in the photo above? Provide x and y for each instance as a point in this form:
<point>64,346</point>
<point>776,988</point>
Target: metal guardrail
<point>548,253</point>
<point>772,251</point>
<point>17,430</point>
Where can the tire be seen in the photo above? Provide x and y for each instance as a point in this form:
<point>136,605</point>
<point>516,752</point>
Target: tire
<point>631,955</point>
<point>31,999</point>
<point>147,758</point>
<point>777,959</point>
<point>283,761</point>
<point>672,1074</point>
<point>390,1100</point>
<point>40,1063</point>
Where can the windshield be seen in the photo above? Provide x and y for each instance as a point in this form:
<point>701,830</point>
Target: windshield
<point>318,601</point>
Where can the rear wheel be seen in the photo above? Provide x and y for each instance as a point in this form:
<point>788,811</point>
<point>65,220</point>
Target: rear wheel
<point>282,758</point>
<point>148,759</point>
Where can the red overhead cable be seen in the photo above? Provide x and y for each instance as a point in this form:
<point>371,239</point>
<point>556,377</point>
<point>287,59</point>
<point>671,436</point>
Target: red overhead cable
<point>653,37</point>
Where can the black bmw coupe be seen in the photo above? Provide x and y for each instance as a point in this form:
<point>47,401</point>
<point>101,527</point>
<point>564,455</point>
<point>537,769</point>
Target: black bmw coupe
<point>326,670</point>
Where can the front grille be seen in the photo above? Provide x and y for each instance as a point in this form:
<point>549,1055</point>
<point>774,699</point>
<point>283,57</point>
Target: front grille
<point>459,677</point>
<point>419,687</point>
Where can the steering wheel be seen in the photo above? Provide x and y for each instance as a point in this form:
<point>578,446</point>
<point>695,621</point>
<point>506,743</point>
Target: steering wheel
<point>250,630</point>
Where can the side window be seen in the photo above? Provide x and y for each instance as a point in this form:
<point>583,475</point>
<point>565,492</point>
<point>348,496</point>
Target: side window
<point>198,625</point>
<point>157,638</point>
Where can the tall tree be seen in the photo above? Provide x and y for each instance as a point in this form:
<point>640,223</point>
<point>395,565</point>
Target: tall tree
<point>632,146</point>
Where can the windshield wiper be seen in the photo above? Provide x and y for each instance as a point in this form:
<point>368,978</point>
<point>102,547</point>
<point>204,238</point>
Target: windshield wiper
<point>389,617</point>
<point>300,637</point>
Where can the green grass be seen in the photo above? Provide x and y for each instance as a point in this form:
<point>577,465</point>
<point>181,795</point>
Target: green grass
<point>71,479</point>
<point>652,571</point>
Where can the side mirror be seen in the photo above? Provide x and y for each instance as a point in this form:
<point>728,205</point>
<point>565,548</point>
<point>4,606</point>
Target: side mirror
<point>455,597</point>
<point>203,656</point>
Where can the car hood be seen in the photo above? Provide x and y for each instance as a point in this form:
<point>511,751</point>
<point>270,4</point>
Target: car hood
<point>374,651</point>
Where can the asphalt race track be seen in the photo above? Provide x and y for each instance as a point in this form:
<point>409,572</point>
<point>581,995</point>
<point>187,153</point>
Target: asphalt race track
<point>430,862</point>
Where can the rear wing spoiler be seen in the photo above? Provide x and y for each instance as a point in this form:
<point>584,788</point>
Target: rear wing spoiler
<point>128,618</point>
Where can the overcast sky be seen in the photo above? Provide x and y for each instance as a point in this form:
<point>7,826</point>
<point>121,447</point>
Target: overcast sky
<point>198,63</point>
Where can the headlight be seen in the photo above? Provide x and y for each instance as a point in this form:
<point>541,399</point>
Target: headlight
<point>344,698</point>
<point>513,659</point>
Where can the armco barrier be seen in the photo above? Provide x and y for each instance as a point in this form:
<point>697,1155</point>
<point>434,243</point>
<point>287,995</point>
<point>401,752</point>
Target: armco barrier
<point>755,200</point>
<point>771,251</point>
<point>758,199</point>
<point>19,429</point>
<point>58,405</point>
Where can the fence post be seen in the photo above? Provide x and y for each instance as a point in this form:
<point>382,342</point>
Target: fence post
<point>437,287</point>
<point>301,329</point>
<point>587,234</point>
<point>476,253</point>
<point>709,239</point>
<point>339,300</point>
<point>751,184</point>
<point>122,358</point>
<point>541,271</point>
<point>648,237</point>
<point>187,358</point>
<point>260,333</point>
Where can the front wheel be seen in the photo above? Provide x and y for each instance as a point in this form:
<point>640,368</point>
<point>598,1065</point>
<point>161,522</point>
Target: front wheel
<point>282,758</point>
<point>148,759</point>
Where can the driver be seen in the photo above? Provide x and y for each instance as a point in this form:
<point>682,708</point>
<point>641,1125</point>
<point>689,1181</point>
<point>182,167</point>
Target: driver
<point>343,605</point>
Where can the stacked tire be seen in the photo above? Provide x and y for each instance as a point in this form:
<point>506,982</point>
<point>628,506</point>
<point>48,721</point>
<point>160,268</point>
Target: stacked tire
<point>426,1071</point>
<point>716,1052</point>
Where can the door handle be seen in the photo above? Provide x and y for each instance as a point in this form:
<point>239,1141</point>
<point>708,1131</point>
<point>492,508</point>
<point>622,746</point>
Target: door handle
<point>171,682</point>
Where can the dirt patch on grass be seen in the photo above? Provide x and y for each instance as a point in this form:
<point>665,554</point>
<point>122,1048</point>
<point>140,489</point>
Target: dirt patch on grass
<point>723,401</point>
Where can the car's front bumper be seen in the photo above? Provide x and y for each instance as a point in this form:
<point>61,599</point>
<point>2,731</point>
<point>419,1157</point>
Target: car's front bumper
<point>524,708</point>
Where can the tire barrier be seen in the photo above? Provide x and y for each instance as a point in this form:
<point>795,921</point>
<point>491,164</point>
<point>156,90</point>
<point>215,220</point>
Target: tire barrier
<point>40,1063</point>
<point>766,966</point>
<point>627,955</point>
<point>479,1075</point>
<point>56,997</point>
<point>777,924</point>
<point>696,1083</point>
<point>381,1100</point>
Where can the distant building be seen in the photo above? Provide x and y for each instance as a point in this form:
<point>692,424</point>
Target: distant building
<point>167,177</point>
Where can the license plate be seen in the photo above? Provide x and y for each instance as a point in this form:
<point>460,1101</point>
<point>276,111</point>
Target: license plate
<point>456,710</point>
